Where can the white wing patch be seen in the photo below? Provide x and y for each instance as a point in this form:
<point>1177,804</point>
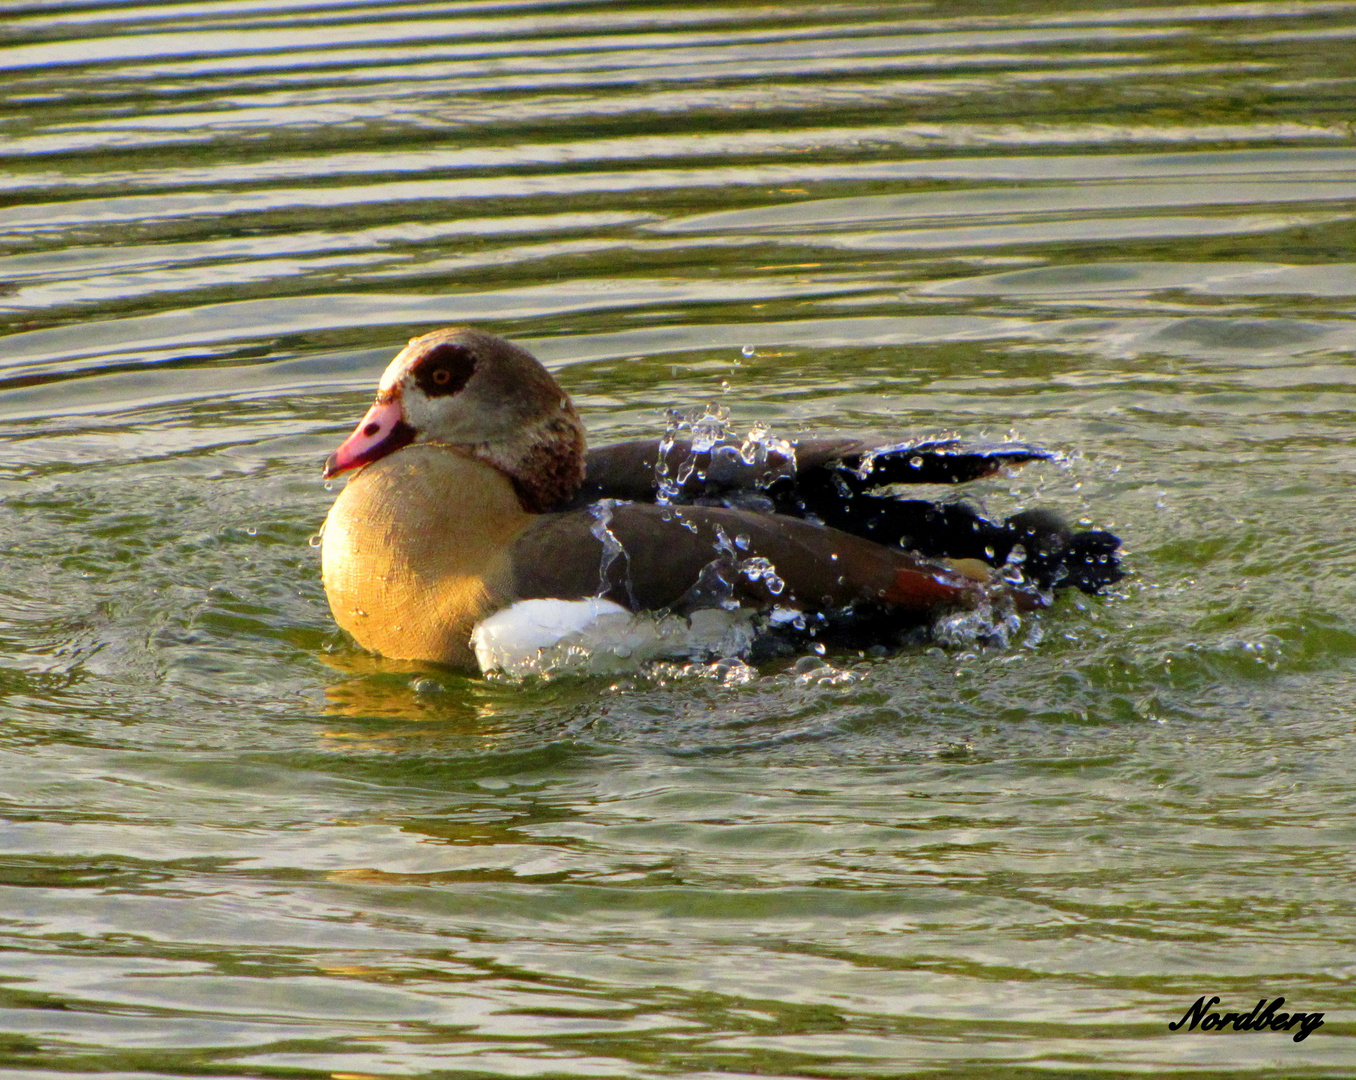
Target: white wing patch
<point>541,637</point>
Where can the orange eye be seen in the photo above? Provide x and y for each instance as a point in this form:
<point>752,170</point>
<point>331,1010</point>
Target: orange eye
<point>442,376</point>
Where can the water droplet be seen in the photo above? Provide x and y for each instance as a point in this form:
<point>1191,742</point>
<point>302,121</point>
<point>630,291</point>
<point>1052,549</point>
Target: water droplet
<point>806,666</point>
<point>314,540</point>
<point>748,350</point>
<point>329,485</point>
<point>916,461</point>
<point>251,531</point>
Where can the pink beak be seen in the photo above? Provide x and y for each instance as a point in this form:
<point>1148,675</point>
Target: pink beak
<point>382,431</point>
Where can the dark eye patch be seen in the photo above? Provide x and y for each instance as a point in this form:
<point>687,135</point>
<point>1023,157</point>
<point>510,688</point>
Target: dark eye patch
<point>444,370</point>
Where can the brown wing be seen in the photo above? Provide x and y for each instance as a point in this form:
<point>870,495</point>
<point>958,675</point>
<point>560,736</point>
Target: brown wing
<point>649,557</point>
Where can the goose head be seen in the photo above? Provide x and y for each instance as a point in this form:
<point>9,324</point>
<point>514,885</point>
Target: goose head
<point>479,396</point>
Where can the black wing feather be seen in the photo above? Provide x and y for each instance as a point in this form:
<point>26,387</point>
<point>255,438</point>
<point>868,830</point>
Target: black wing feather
<point>836,482</point>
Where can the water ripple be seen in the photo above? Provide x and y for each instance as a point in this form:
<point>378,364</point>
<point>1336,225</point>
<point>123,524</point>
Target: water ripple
<point>233,843</point>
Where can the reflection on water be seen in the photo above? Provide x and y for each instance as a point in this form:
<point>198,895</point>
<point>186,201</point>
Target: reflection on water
<point>235,845</point>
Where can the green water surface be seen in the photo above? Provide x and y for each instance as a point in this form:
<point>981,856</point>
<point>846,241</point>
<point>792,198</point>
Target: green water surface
<point>232,844</point>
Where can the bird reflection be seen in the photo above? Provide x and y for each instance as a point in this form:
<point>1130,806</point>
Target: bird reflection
<point>402,706</point>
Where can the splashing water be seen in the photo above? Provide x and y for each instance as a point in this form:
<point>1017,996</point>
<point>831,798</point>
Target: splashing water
<point>760,444</point>
<point>980,626</point>
<point>669,482</point>
<point>816,671</point>
<point>756,569</point>
<point>706,428</point>
<point>612,547</point>
<point>724,546</point>
<point>728,672</point>
<point>1013,568</point>
<point>665,490</point>
<point>760,570</point>
<point>754,447</point>
<point>712,451</point>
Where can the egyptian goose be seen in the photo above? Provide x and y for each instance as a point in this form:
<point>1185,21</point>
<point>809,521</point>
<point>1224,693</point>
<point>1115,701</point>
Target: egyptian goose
<point>474,509</point>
